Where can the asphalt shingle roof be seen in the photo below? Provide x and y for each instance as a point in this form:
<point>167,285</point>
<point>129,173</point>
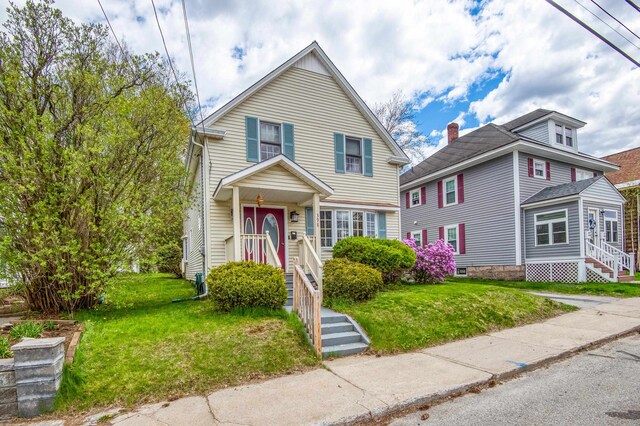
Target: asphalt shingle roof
<point>560,191</point>
<point>527,118</point>
<point>629,162</point>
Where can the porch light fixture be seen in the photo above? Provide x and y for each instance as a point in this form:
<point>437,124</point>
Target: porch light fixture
<point>259,200</point>
<point>294,216</point>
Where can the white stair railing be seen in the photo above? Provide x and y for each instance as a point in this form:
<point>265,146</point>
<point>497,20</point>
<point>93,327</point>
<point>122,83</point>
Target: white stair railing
<point>611,261</point>
<point>272,257</point>
<point>307,303</point>
<point>310,261</point>
<point>627,261</point>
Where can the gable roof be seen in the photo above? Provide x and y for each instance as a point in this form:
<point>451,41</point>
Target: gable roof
<point>527,118</point>
<point>629,162</point>
<point>399,156</point>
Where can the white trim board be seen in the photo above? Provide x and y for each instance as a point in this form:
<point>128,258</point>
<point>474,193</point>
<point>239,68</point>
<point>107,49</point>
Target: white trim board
<point>359,206</point>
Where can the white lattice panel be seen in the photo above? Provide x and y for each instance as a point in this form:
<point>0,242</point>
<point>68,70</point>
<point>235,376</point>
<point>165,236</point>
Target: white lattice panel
<point>594,277</point>
<point>566,272</point>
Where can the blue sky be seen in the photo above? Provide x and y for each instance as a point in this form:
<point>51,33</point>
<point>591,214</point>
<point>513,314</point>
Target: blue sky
<point>470,61</point>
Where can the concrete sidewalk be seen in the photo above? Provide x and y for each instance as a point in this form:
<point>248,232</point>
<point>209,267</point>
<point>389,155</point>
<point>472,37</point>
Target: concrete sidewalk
<point>365,387</point>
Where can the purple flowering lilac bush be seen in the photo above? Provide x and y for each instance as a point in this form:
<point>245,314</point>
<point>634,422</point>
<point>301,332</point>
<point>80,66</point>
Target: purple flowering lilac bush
<point>433,262</point>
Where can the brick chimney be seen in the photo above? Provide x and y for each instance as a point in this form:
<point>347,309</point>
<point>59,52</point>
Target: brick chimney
<point>452,131</point>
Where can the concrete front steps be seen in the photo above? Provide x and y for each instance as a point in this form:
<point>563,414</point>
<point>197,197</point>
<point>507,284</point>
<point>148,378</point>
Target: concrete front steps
<point>606,272</point>
<point>341,335</point>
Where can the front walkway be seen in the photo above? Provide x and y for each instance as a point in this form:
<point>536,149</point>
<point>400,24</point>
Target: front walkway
<point>362,387</point>
<point>579,300</point>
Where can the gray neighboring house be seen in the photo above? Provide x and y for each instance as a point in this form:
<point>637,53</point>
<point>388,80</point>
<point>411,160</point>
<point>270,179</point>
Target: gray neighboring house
<point>520,201</point>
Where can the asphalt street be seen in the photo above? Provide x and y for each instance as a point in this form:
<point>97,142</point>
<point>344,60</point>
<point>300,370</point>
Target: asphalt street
<point>599,387</point>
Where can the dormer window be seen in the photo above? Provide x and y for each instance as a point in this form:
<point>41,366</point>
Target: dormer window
<point>564,135</point>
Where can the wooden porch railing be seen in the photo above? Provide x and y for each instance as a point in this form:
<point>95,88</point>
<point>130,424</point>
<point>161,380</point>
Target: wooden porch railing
<point>609,260</point>
<point>310,260</point>
<point>626,261</point>
<point>307,302</point>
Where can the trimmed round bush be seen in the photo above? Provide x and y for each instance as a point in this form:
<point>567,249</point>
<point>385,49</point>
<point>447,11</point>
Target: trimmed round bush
<point>247,285</point>
<point>391,257</point>
<point>344,279</point>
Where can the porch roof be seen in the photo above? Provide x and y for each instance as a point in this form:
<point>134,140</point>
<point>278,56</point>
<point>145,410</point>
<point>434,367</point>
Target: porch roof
<point>561,192</point>
<point>285,180</point>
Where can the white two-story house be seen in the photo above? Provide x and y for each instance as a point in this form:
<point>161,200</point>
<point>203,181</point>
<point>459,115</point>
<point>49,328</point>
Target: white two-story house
<point>519,200</point>
<point>296,155</point>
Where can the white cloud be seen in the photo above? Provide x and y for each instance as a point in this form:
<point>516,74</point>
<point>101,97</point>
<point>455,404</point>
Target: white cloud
<point>430,49</point>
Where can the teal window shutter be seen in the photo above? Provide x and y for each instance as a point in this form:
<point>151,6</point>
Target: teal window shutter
<point>382,225</point>
<point>308,220</point>
<point>338,143</point>
<point>287,141</point>
<point>368,157</point>
<point>251,130</point>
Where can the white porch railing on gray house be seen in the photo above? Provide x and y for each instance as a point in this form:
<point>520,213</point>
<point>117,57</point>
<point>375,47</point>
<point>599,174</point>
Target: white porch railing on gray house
<point>603,257</point>
<point>625,260</point>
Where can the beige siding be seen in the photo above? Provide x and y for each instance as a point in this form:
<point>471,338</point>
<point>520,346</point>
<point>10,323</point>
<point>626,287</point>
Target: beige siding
<point>277,177</point>
<point>193,227</point>
<point>317,107</point>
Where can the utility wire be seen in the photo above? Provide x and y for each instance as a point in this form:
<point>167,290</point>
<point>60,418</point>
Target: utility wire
<point>113,32</point>
<point>614,18</point>
<point>601,20</point>
<point>592,31</point>
<point>633,5</point>
<point>166,50</point>
<point>193,67</point>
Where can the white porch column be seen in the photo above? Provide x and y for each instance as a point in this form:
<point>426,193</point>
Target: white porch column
<point>237,226</point>
<point>316,222</point>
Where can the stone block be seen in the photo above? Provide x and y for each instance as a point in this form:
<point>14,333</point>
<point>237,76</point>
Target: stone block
<point>6,364</point>
<point>35,407</point>
<point>31,351</point>
<point>32,390</point>
<point>8,395</point>
<point>8,410</point>
<point>7,379</point>
<point>39,371</point>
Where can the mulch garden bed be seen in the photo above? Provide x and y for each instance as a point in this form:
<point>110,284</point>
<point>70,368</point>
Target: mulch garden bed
<point>62,328</point>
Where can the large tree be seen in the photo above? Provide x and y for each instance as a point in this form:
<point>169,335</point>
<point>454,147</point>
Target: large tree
<point>91,138</point>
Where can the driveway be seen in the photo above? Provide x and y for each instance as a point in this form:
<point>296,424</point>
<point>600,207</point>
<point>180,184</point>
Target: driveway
<point>579,300</point>
<point>593,388</point>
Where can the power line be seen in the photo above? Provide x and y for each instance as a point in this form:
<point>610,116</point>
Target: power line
<point>193,67</point>
<point>601,20</point>
<point>113,32</point>
<point>616,19</point>
<point>592,31</point>
<point>633,5</point>
<point>166,50</point>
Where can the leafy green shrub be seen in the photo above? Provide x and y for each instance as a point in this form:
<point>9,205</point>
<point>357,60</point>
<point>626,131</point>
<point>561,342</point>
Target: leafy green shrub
<point>168,258</point>
<point>391,257</point>
<point>26,329</point>
<point>344,279</point>
<point>5,352</point>
<point>247,285</point>
<point>50,325</point>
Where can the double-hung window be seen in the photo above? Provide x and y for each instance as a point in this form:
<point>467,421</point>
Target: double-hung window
<point>417,236</point>
<point>450,191</point>
<point>370,230</point>
<point>357,221</point>
<point>540,169</point>
<point>270,140</point>
<point>551,228</point>
<point>415,197</point>
<point>583,174</point>
<point>342,224</point>
<point>564,135</point>
<point>353,155</point>
<point>326,228</point>
<point>611,226</point>
<point>451,236</point>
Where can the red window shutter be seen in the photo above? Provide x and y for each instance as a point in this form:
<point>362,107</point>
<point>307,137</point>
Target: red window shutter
<point>595,174</point>
<point>408,235</point>
<point>439,194</point>
<point>548,170</point>
<point>424,237</point>
<point>423,195</point>
<point>408,199</point>
<point>461,245</point>
<point>460,189</point>
<point>530,167</point>
<point>441,230</point>
<point>573,174</point>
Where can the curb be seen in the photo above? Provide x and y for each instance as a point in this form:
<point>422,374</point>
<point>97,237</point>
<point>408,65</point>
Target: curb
<point>380,416</point>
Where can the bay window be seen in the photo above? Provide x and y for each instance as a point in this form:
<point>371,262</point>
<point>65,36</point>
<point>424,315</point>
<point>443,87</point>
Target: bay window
<point>357,224</point>
<point>338,224</point>
<point>342,225</point>
<point>371,224</point>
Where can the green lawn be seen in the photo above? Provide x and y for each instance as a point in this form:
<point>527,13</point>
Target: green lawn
<point>599,289</point>
<point>407,317</point>
<point>140,347</point>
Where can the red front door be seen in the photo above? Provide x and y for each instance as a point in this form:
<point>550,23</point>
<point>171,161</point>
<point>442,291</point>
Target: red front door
<point>263,220</point>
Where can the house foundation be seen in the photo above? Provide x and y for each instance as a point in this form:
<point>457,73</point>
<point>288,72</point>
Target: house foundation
<point>497,272</point>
